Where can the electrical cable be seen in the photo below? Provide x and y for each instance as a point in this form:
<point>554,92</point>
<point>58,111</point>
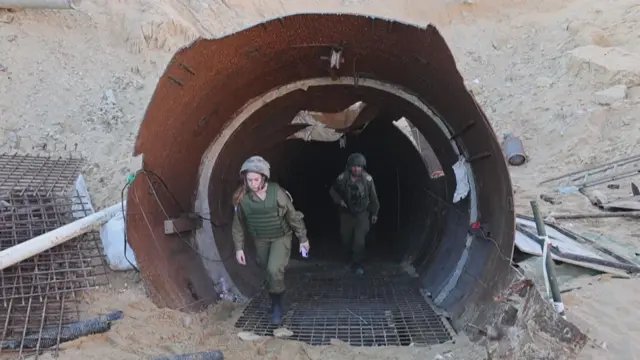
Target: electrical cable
<point>124,218</point>
<point>148,174</point>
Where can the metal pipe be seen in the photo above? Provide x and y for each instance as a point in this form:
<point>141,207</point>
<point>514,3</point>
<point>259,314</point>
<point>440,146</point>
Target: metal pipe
<point>614,177</point>
<point>209,355</point>
<point>40,4</point>
<point>38,244</point>
<point>548,262</point>
<point>616,214</point>
<point>513,150</point>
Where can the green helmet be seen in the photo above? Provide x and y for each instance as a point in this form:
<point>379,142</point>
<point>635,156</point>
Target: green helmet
<point>356,159</point>
<point>256,164</point>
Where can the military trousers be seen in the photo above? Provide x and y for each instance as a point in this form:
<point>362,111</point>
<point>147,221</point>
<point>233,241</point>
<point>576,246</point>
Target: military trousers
<point>272,256</point>
<point>353,231</point>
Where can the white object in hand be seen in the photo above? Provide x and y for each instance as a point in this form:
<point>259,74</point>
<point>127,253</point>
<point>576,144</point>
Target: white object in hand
<point>304,252</point>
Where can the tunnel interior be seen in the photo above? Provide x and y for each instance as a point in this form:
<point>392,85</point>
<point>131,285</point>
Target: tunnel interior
<point>307,169</point>
<point>416,210</point>
<point>221,101</point>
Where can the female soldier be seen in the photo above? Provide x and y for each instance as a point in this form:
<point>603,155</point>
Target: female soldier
<point>268,214</point>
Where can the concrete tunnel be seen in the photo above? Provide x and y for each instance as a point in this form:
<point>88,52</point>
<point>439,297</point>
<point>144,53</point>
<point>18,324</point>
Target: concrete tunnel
<point>220,101</point>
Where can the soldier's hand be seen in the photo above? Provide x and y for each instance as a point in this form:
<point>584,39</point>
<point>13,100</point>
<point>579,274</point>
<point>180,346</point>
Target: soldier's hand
<point>240,257</point>
<point>374,219</point>
<point>305,245</point>
<point>343,204</point>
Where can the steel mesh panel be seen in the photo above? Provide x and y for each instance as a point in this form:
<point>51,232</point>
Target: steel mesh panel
<point>36,196</point>
<point>373,310</point>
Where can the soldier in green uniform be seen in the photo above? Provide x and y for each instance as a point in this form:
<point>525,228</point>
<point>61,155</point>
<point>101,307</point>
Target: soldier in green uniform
<point>354,191</point>
<point>266,212</point>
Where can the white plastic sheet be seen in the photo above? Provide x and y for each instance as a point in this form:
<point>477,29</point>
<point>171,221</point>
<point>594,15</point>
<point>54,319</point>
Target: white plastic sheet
<point>462,180</point>
<point>112,236</point>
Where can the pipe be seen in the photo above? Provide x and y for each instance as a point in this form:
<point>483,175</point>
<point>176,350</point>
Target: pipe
<point>549,269</point>
<point>40,243</point>
<point>277,72</point>
<point>616,214</point>
<point>590,170</point>
<point>209,355</point>
<point>40,4</point>
<point>513,150</point>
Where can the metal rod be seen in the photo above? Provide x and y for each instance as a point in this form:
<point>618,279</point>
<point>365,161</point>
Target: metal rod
<point>622,175</point>
<point>548,262</point>
<point>636,157</point>
<point>40,4</point>
<point>623,214</point>
<point>605,168</point>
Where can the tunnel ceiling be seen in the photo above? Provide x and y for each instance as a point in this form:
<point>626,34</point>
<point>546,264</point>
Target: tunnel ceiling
<point>208,82</point>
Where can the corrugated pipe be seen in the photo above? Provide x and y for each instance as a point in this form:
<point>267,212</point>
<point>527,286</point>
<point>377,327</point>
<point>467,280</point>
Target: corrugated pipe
<point>40,4</point>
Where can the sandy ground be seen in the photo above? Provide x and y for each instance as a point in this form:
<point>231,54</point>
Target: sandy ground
<point>78,82</point>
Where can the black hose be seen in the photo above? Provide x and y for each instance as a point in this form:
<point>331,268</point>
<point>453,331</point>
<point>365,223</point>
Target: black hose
<point>50,337</point>
<point>209,355</point>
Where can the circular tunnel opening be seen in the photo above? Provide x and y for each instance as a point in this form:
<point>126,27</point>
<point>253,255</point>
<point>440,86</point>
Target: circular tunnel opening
<point>221,101</point>
<point>416,211</point>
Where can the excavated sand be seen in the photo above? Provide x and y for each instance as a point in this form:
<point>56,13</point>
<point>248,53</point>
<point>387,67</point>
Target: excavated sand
<point>79,81</point>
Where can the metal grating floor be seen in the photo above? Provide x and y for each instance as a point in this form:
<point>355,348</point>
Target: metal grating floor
<point>383,309</point>
<point>36,196</point>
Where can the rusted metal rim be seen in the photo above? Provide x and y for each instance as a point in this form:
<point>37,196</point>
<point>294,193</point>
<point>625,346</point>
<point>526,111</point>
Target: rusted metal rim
<point>207,84</point>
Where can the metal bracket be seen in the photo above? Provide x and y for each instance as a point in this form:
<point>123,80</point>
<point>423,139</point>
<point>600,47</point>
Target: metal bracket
<point>181,224</point>
<point>335,59</point>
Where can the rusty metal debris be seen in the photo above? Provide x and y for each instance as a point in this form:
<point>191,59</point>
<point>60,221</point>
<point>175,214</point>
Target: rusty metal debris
<point>37,196</point>
<point>580,178</point>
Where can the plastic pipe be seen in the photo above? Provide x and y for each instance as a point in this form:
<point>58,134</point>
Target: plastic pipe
<point>40,243</point>
<point>548,267</point>
<point>40,4</point>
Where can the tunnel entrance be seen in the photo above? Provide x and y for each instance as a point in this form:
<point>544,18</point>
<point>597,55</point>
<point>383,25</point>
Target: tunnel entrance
<point>409,225</point>
<point>307,169</point>
<point>221,101</point>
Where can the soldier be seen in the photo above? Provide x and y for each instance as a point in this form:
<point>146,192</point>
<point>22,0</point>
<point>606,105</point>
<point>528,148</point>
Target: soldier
<point>355,193</point>
<point>267,213</point>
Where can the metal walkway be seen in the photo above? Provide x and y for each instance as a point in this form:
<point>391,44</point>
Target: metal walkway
<point>379,309</point>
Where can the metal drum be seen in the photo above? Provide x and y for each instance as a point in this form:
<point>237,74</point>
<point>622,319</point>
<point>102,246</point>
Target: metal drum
<point>513,150</point>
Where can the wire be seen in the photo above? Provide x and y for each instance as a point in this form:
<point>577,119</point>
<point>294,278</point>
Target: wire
<point>124,217</point>
<point>148,174</point>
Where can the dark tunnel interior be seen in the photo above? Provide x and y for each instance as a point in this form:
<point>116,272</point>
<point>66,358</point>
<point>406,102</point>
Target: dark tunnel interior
<point>308,169</point>
<point>416,213</point>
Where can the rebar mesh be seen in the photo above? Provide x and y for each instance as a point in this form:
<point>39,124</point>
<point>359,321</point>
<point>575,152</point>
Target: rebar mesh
<point>37,174</point>
<point>36,196</point>
<point>372,310</point>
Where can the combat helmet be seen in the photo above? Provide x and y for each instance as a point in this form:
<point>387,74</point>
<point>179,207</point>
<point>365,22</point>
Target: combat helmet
<point>256,164</point>
<point>357,159</point>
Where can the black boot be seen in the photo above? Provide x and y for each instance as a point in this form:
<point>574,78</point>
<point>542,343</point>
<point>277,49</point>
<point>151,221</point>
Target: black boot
<point>358,268</point>
<point>276,308</point>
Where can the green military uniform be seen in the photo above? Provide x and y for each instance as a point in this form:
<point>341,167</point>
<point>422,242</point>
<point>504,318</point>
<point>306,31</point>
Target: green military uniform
<point>271,223</point>
<point>359,200</point>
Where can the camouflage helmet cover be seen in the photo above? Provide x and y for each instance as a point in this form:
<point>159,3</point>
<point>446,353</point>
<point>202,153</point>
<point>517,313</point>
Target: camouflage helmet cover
<point>356,159</point>
<point>256,164</point>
